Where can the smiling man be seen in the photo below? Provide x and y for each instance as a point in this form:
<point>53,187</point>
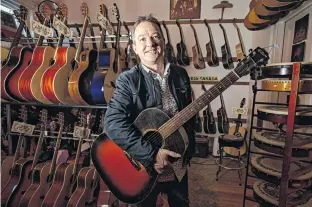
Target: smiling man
<point>158,84</point>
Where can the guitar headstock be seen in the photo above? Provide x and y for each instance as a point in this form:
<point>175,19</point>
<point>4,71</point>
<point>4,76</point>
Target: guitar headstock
<point>115,11</point>
<point>103,9</point>
<point>43,117</point>
<point>64,10</point>
<point>257,58</point>
<point>60,118</point>
<point>243,102</point>
<point>84,9</point>
<point>46,12</point>
<point>23,13</point>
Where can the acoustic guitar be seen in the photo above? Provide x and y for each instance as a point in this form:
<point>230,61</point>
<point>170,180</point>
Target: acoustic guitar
<point>198,122</point>
<point>223,121</point>
<point>19,58</point>
<point>130,181</point>
<point>182,55</point>
<point>198,59</point>
<point>240,131</point>
<point>169,51</point>
<point>226,52</point>
<point>118,64</point>
<point>131,58</point>
<point>209,121</point>
<point>240,47</point>
<point>79,84</point>
<point>43,173</point>
<point>212,56</point>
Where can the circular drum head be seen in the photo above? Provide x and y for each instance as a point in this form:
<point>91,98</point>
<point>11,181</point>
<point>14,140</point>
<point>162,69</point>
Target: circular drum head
<point>279,70</point>
<point>268,194</point>
<point>278,114</point>
<point>274,142</point>
<point>270,169</point>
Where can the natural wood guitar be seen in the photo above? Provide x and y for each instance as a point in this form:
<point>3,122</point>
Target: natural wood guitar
<point>240,47</point>
<point>212,56</point>
<point>130,181</point>
<point>198,59</point>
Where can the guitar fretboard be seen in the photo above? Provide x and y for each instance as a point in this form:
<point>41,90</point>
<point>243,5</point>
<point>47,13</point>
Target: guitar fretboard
<point>18,35</point>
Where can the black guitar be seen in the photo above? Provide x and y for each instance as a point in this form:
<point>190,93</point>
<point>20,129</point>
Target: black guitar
<point>212,56</point>
<point>169,52</point>
<point>198,122</point>
<point>182,56</point>
<point>226,52</point>
<point>223,121</point>
<point>209,122</point>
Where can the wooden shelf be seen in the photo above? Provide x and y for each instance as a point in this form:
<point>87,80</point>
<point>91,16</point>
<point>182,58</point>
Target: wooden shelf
<point>207,82</point>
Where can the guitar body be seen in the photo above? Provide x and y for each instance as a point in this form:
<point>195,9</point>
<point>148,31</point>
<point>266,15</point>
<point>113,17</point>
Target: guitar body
<point>169,54</point>
<point>239,52</point>
<point>5,170</point>
<point>29,81</point>
<point>12,63</point>
<point>21,174</point>
<point>232,150</point>
<point>39,186</point>
<point>60,188</point>
<point>182,57</point>
<point>83,191</point>
<point>226,58</point>
<point>198,60</point>
<point>209,122</point>
<point>129,181</point>
<point>79,84</point>
<point>54,81</point>
<point>12,79</point>
<point>212,59</point>
<point>223,125</point>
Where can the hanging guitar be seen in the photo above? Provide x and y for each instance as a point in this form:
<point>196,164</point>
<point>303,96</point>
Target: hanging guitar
<point>131,58</point>
<point>223,121</point>
<point>169,51</point>
<point>239,131</point>
<point>198,59</point>
<point>198,122</point>
<point>240,47</point>
<point>130,181</point>
<point>209,121</point>
<point>182,56</point>
<point>212,56</point>
<point>226,52</point>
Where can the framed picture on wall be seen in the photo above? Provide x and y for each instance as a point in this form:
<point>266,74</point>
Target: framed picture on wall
<point>301,29</point>
<point>297,53</point>
<point>185,9</point>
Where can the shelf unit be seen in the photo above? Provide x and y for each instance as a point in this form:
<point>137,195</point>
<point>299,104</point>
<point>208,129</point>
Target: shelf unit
<point>287,150</point>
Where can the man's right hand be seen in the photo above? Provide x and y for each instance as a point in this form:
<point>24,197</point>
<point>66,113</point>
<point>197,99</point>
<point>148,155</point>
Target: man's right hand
<point>162,159</point>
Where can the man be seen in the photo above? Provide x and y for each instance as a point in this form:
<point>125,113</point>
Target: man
<point>152,83</point>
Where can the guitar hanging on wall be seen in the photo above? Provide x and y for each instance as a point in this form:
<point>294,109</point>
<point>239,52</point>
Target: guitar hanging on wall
<point>182,56</point>
<point>226,52</point>
<point>223,121</point>
<point>209,121</point>
<point>240,47</point>
<point>169,51</point>
<point>198,59</point>
<point>212,56</point>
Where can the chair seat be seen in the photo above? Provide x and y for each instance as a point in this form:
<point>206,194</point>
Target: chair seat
<point>231,140</point>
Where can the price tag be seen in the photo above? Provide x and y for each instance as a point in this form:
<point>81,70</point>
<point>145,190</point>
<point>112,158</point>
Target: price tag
<point>22,128</point>
<point>104,23</point>
<point>237,111</point>
<point>81,132</point>
<point>61,27</point>
<point>41,30</point>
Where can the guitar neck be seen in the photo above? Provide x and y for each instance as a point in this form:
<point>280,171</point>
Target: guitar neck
<point>241,41</point>
<point>18,149</point>
<point>192,109</point>
<point>197,42</point>
<point>93,39</point>
<point>115,68</point>
<point>41,38</point>
<point>223,107</point>
<point>181,34</point>
<point>226,40</point>
<point>211,38</point>
<point>38,150</point>
<point>82,37</point>
<point>102,40</point>
<point>57,146</point>
<point>18,35</point>
<point>238,123</point>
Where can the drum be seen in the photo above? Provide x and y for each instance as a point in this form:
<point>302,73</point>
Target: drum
<point>278,114</point>
<point>285,85</point>
<point>267,194</point>
<point>279,70</point>
<point>270,170</point>
<point>274,142</point>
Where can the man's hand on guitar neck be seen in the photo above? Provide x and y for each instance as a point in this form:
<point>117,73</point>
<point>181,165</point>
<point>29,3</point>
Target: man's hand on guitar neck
<point>162,161</point>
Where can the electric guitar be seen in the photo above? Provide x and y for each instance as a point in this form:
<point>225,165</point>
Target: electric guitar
<point>237,130</point>
<point>79,84</point>
<point>226,52</point>
<point>19,58</point>
<point>212,56</point>
<point>129,180</point>
<point>223,121</point>
<point>169,51</point>
<point>182,56</point>
<point>198,59</point>
<point>209,122</point>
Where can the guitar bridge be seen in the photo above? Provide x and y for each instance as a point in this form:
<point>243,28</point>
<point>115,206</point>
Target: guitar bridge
<point>133,162</point>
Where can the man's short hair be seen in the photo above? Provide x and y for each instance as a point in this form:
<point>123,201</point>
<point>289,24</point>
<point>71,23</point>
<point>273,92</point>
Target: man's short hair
<point>146,18</point>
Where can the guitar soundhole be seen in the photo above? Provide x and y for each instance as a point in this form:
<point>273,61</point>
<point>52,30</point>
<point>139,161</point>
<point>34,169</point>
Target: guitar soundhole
<point>52,62</point>
<point>16,170</point>
<point>154,138</point>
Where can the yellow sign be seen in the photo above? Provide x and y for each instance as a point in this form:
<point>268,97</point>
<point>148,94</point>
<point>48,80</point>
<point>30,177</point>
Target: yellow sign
<point>204,78</point>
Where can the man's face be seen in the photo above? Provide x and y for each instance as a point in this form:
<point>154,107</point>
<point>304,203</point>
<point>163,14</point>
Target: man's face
<point>148,42</point>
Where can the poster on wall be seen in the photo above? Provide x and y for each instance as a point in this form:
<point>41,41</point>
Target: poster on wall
<point>297,53</point>
<point>185,9</point>
<point>301,29</point>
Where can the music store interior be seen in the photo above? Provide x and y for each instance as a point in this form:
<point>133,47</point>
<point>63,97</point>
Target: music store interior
<point>249,69</point>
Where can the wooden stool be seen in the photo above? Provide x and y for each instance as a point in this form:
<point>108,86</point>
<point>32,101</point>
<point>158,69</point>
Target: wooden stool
<point>230,141</point>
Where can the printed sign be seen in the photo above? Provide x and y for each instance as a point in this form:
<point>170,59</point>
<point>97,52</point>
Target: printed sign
<point>105,23</point>
<point>61,27</point>
<point>237,111</point>
<point>41,30</point>
<point>22,128</point>
<point>81,132</point>
<point>204,78</point>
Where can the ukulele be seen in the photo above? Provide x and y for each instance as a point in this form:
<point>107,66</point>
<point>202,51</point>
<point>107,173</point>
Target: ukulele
<point>129,180</point>
<point>131,58</point>
<point>79,84</point>
<point>105,61</point>
<point>198,59</point>
<point>18,59</point>
<point>212,56</point>
<point>118,63</point>
<point>41,59</point>
<point>226,52</point>
<point>43,173</point>
<point>209,121</point>
<point>169,51</point>
<point>223,122</point>
<point>182,56</point>
<point>240,48</point>
<point>26,166</point>
<point>237,130</point>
